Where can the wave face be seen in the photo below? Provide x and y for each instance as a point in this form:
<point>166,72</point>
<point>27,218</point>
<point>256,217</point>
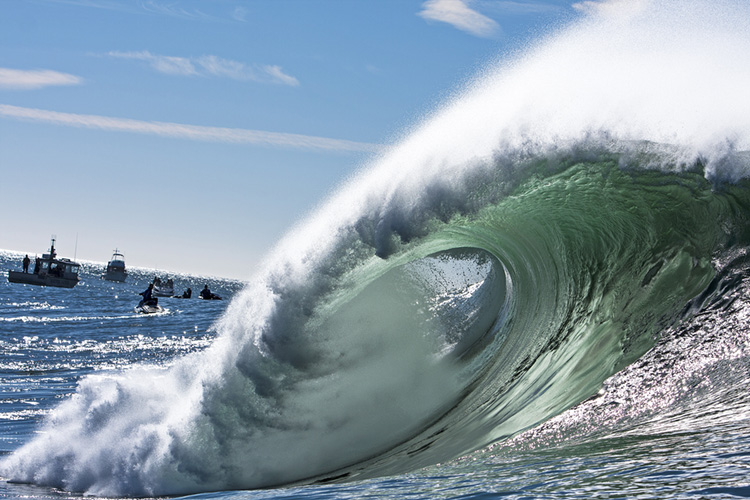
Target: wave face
<point>524,244</point>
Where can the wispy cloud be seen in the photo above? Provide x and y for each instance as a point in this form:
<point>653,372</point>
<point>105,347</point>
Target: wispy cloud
<point>183,131</point>
<point>240,14</point>
<point>613,8</point>
<point>168,8</point>
<point>278,75</point>
<point>21,79</point>
<point>174,9</point>
<point>163,64</point>
<point>458,14</point>
<point>210,66</point>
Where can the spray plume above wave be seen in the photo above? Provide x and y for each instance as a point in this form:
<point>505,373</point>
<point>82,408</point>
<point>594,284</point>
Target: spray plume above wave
<point>488,272</point>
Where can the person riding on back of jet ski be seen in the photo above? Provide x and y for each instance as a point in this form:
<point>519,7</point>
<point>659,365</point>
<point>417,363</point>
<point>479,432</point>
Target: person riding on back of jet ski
<point>147,298</point>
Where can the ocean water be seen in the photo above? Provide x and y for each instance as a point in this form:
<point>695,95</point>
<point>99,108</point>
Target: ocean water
<point>539,292</point>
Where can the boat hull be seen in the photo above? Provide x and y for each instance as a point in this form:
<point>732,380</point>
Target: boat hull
<point>163,292</point>
<point>41,280</point>
<point>115,276</point>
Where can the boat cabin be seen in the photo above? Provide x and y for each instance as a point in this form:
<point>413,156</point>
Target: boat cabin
<point>116,268</point>
<point>49,271</point>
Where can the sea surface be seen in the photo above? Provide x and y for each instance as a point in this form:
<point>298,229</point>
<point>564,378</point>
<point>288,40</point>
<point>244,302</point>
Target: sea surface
<point>540,292</point>
<point>675,424</point>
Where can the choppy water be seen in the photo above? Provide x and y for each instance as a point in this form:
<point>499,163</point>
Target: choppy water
<point>541,292</point>
<point>52,337</point>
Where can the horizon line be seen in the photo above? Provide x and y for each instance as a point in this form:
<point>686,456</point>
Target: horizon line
<point>141,268</point>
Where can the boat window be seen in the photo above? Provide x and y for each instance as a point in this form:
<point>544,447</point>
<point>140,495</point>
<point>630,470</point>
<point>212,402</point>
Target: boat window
<point>45,265</point>
<point>73,269</point>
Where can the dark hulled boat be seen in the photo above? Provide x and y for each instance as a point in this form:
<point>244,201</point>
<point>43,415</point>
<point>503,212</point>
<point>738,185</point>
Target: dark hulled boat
<point>49,271</point>
<point>116,268</point>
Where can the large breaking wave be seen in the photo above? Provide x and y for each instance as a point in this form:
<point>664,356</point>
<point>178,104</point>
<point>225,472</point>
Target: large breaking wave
<point>490,271</point>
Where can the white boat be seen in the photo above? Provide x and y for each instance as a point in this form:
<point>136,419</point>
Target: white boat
<point>116,268</point>
<point>49,271</point>
<point>163,288</point>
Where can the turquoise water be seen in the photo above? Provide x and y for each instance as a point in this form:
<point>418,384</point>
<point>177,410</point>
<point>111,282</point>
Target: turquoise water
<point>540,292</point>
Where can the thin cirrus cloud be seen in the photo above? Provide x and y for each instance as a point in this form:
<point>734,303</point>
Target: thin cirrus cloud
<point>184,131</point>
<point>210,66</point>
<point>168,8</point>
<point>20,79</point>
<point>613,8</point>
<point>458,14</point>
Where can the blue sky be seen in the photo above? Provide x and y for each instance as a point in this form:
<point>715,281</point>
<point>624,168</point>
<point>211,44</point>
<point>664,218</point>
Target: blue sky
<point>192,135</point>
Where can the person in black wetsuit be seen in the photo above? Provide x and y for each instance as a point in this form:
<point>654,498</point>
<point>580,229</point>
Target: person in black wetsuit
<point>147,298</point>
<point>26,262</point>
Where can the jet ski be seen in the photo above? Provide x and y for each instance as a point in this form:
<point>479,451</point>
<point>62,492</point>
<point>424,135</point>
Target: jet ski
<point>211,296</point>
<point>148,307</point>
